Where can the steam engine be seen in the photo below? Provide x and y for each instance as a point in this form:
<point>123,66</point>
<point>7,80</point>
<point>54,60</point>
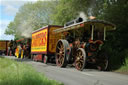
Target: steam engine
<point>23,48</point>
<point>81,44</point>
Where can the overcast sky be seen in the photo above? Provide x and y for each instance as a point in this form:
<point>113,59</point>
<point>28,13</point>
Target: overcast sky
<point>8,9</point>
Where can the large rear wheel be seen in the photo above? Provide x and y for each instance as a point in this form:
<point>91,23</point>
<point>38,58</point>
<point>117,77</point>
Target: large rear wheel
<point>102,61</point>
<point>80,59</point>
<point>62,53</point>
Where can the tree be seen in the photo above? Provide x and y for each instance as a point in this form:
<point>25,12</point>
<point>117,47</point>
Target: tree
<point>68,10</point>
<point>31,16</point>
<point>116,12</point>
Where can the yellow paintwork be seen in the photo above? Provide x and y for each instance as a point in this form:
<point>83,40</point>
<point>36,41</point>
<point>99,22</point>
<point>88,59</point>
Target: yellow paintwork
<point>39,41</point>
<point>2,45</point>
<point>17,52</point>
<point>22,54</point>
<point>53,38</point>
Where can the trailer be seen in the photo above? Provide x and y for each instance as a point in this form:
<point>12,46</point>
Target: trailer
<point>43,45</point>
<point>82,42</point>
<point>4,47</point>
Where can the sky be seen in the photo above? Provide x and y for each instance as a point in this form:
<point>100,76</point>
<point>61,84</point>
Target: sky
<point>8,9</point>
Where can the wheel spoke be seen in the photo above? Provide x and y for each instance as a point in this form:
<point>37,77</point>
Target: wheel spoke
<point>80,59</point>
<point>59,44</point>
<point>58,53</point>
<point>79,65</point>
<point>58,48</point>
<point>62,59</point>
<point>80,53</point>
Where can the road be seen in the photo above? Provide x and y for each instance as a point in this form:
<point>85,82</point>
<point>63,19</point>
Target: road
<point>71,76</point>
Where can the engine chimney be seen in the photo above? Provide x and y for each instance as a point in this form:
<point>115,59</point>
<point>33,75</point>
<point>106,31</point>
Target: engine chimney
<point>78,20</point>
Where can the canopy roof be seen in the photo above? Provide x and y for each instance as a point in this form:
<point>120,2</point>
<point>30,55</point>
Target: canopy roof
<point>99,25</point>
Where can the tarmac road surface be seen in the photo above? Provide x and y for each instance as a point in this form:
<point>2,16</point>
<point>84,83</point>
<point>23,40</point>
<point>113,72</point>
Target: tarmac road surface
<point>71,76</point>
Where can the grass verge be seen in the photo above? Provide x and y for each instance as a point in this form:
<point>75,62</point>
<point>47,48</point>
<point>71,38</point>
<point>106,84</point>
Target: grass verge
<point>123,69</point>
<point>17,73</point>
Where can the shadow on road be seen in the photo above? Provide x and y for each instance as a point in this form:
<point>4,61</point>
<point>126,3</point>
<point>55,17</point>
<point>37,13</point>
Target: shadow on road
<point>69,66</point>
<point>23,60</point>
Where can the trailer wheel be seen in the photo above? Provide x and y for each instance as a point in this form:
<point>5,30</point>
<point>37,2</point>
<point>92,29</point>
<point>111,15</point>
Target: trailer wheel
<point>80,59</point>
<point>62,53</point>
<point>102,61</point>
<point>45,59</point>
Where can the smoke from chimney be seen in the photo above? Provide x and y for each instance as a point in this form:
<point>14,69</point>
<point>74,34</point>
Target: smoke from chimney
<point>26,29</point>
<point>83,16</point>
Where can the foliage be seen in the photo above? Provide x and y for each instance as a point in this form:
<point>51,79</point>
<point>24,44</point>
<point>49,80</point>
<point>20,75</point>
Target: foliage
<point>117,13</point>
<point>68,10</point>
<point>124,68</point>
<point>31,16</point>
<point>13,73</point>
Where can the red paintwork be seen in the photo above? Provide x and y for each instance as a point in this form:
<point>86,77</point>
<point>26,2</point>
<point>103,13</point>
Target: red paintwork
<point>20,40</point>
<point>37,57</point>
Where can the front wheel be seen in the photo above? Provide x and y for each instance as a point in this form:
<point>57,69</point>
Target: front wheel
<point>80,59</point>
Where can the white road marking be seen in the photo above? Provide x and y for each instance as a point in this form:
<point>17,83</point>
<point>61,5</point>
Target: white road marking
<point>88,74</point>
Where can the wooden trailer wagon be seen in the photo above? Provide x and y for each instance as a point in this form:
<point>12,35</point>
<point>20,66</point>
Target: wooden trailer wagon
<point>43,45</point>
<point>81,43</point>
<point>4,44</point>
